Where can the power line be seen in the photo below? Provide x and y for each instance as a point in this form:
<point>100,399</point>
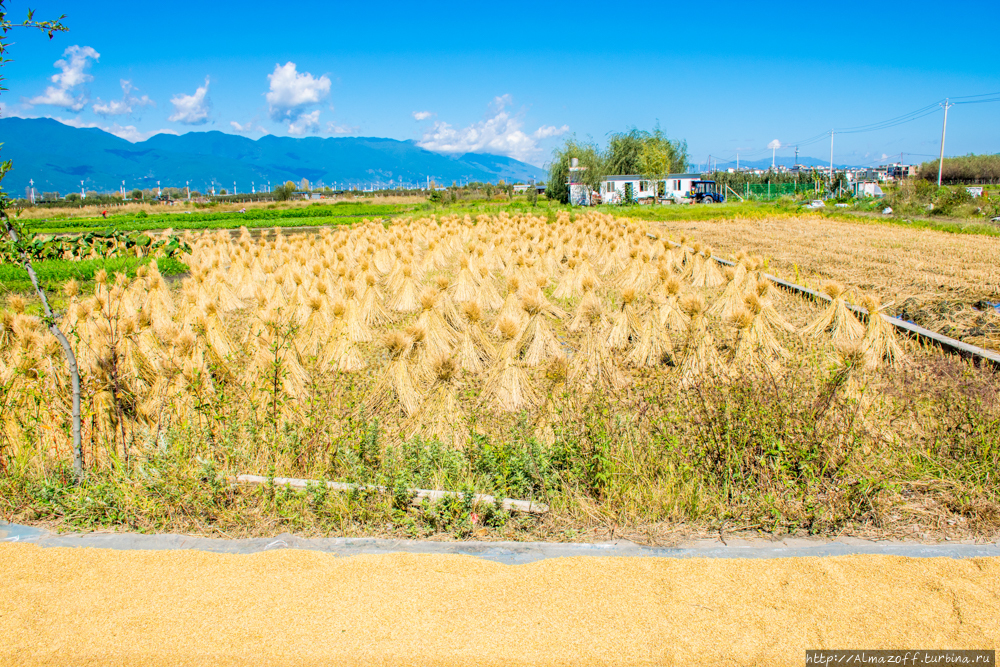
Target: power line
<point>889,123</point>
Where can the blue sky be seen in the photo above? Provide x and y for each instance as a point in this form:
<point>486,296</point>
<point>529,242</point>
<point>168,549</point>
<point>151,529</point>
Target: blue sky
<point>516,78</point>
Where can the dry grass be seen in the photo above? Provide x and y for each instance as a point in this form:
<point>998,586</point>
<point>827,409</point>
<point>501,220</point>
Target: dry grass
<point>931,277</point>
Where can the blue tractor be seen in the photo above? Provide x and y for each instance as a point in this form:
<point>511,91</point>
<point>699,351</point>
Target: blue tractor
<point>706,192</point>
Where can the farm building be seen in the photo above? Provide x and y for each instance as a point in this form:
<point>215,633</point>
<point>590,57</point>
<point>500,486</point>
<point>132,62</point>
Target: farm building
<point>674,186</point>
<point>521,188</point>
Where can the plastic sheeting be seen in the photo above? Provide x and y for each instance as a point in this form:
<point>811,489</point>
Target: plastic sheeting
<point>511,553</point>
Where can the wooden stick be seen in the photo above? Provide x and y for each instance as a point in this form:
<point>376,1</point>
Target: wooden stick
<point>508,504</point>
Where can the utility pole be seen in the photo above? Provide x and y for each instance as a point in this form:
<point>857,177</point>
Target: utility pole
<point>83,193</point>
<point>944,126</point>
<point>159,191</point>
<point>187,188</point>
<point>31,183</point>
<point>831,162</point>
<point>796,155</point>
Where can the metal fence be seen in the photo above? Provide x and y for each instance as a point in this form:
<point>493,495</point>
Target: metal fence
<point>765,191</point>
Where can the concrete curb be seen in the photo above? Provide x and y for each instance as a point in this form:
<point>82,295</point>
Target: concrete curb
<point>510,553</point>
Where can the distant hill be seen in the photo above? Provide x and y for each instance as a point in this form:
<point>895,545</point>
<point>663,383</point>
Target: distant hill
<point>58,157</point>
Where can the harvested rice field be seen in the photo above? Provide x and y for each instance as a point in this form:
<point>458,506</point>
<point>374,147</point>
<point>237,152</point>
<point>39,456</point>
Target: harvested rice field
<point>948,283</point>
<point>63,606</point>
<point>633,386</point>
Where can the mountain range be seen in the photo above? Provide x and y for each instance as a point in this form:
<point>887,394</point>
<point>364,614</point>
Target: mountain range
<point>58,157</point>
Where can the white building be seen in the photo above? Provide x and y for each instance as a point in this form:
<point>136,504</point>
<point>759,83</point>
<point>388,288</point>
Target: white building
<point>674,186</point>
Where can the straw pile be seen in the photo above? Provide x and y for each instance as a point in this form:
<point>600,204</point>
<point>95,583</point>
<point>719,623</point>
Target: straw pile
<point>426,319</point>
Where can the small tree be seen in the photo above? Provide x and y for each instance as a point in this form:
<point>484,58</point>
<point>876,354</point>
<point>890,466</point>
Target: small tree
<point>532,194</point>
<point>223,192</point>
<point>19,238</point>
<point>137,194</point>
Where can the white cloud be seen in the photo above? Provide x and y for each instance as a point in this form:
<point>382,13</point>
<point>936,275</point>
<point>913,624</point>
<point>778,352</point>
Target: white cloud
<point>247,127</point>
<point>191,109</point>
<point>307,122</point>
<point>500,134</point>
<point>546,131</point>
<point>333,128</point>
<point>77,122</point>
<point>127,132</point>
<point>501,102</point>
<point>73,74</point>
<point>421,115</point>
<point>773,145</point>
<point>131,133</point>
<point>125,105</point>
<point>292,93</point>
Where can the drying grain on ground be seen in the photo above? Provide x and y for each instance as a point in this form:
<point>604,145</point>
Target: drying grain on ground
<point>63,606</point>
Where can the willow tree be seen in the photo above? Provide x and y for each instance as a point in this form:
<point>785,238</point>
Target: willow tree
<point>588,155</point>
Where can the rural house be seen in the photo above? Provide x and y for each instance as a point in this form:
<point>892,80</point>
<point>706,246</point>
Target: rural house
<point>674,186</point>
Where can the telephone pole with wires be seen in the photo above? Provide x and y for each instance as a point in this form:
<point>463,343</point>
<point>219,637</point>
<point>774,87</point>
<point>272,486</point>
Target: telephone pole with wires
<point>944,127</point>
<point>831,162</point>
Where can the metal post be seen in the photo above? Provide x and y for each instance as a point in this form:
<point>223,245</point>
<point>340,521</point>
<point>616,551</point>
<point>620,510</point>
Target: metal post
<point>831,162</point>
<point>944,126</point>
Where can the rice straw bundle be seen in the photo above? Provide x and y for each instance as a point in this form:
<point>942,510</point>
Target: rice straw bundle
<point>446,304</point>
<point>438,335</point>
<point>508,387</point>
<point>836,318</point>
<point>757,348</point>
<point>771,314</point>
<point>440,416</point>
<point>880,344</point>
<point>712,273</point>
<point>537,343</point>
<point>653,347</point>
<point>671,314</point>
<point>625,323</point>
<point>593,365</point>
<point>701,360</point>
<point>465,288</point>
<point>405,298</point>
<point>567,282</point>
<point>339,350</point>
<point>732,297</point>
<point>358,330</point>
<point>475,350</point>
<point>584,272</point>
<point>371,308</point>
<point>512,307</point>
<point>397,383</point>
<point>487,294</point>
<point>581,318</point>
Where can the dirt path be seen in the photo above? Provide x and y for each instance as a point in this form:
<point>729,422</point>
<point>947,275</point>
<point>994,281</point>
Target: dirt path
<point>62,606</point>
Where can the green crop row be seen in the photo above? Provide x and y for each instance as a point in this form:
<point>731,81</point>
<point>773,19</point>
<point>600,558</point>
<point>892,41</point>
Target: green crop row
<point>53,274</point>
<point>93,245</point>
<point>223,219</point>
